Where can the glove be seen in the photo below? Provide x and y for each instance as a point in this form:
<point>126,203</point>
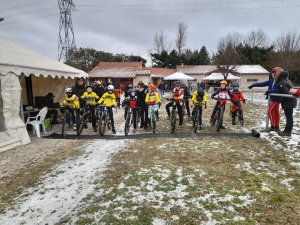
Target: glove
<point>244,100</point>
<point>250,87</point>
<point>113,106</point>
<point>205,105</point>
<point>87,103</point>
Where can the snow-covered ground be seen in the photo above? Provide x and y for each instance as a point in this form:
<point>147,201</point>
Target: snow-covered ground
<point>60,192</point>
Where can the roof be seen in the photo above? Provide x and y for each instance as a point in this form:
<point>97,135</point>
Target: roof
<point>116,69</point>
<point>161,72</point>
<point>205,69</point>
<point>18,59</point>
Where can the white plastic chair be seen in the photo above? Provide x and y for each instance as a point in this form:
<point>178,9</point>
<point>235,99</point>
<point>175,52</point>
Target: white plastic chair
<point>38,120</point>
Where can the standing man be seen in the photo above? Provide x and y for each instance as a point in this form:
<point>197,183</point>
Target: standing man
<point>141,93</point>
<point>78,90</point>
<point>161,89</point>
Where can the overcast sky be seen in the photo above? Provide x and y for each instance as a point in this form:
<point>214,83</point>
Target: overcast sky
<point>129,26</point>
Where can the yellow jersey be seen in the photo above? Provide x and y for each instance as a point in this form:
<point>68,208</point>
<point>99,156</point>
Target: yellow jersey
<point>108,99</point>
<point>90,97</point>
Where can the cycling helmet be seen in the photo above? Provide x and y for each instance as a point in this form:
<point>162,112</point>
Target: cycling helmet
<point>89,85</point>
<point>130,90</point>
<point>223,82</point>
<point>200,90</point>
<point>274,70</point>
<point>110,87</point>
<point>235,84</point>
<point>69,90</point>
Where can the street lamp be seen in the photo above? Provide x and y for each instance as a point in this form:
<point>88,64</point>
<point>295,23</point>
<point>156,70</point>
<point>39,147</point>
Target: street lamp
<point>1,19</point>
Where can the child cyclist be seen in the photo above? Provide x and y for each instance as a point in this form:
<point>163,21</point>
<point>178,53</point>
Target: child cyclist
<point>132,102</point>
<point>236,101</point>
<point>199,99</point>
<point>109,99</point>
<point>71,103</point>
<point>152,99</point>
<point>223,94</point>
<point>90,97</point>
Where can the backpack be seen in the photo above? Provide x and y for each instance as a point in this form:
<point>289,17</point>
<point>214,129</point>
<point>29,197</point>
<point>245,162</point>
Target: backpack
<point>200,95</point>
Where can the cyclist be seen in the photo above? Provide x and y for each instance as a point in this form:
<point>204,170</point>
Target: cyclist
<point>199,98</point>
<point>186,97</point>
<point>152,99</point>
<point>178,94</point>
<point>237,98</point>
<point>132,102</point>
<point>109,99</point>
<point>90,97</point>
<point>71,103</point>
<point>223,93</point>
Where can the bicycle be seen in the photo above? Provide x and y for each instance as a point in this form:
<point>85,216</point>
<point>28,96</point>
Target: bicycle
<point>103,119</point>
<point>153,118</point>
<point>197,118</point>
<point>67,119</point>
<point>219,114</point>
<point>129,120</point>
<point>173,116</point>
<point>239,112</point>
<point>85,118</point>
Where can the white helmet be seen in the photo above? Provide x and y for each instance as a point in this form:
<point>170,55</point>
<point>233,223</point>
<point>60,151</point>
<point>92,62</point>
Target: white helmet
<point>110,87</point>
<point>69,90</point>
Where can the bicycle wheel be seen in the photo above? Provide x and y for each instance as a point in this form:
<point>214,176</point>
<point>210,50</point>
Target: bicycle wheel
<point>70,121</point>
<point>196,121</point>
<point>138,118</point>
<point>220,120</point>
<point>127,125</point>
<point>108,122</point>
<point>64,123</point>
<point>241,118</point>
<point>153,122</point>
<point>173,120</point>
<point>102,124</point>
<point>81,124</point>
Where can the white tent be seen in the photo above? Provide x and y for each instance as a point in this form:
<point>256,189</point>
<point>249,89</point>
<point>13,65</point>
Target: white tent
<point>17,61</point>
<point>178,76</point>
<point>220,76</point>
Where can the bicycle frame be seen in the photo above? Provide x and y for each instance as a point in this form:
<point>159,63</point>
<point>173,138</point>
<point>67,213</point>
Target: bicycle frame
<point>103,119</point>
<point>197,121</point>
<point>219,114</point>
<point>128,121</point>
<point>153,118</point>
<point>67,119</point>
<point>173,117</point>
<point>87,116</point>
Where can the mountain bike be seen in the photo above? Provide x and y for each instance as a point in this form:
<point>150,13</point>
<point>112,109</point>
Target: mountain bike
<point>103,119</point>
<point>67,119</point>
<point>84,119</point>
<point>239,112</point>
<point>153,118</point>
<point>129,120</point>
<point>218,117</point>
<point>197,118</point>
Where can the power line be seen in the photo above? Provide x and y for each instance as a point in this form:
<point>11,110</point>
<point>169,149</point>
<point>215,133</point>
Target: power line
<point>30,12</point>
<point>20,21</point>
<point>26,5</point>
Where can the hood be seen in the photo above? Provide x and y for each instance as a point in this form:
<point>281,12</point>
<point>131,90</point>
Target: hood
<point>280,75</point>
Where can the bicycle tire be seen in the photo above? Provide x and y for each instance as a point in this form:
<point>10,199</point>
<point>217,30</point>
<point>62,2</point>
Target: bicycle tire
<point>80,125</point>
<point>102,124</point>
<point>127,125</point>
<point>241,118</point>
<point>173,120</point>
<point>69,120</point>
<point>64,123</point>
<point>195,121</point>
<point>153,122</point>
<point>108,123</point>
<point>220,120</point>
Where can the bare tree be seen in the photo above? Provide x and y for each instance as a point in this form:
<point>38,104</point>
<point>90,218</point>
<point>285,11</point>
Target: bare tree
<point>227,58</point>
<point>256,39</point>
<point>181,37</point>
<point>287,50</point>
<point>160,43</point>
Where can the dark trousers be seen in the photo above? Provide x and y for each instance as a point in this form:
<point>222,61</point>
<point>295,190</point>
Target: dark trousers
<point>179,109</point>
<point>187,106</point>
<point>111,116</point>
<point>92,107</point>
<point>289,120</point>
<point>215,109</point>
<point>50,112</point>
<point>144,115</point>
<point>200,113</point>
<point>70,110</point>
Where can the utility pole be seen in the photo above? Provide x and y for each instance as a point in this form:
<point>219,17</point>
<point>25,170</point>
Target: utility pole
<point>65,23</point>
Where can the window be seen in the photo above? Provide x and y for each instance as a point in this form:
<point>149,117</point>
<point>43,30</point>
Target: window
<point>252,80</point>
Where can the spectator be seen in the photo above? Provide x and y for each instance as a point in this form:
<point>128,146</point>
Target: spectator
<point>141,93</point>
<point>273,110</point>
<point>161,89</point>
<point>78,90</point>
<point>288,104</point>
<point>52,111</point>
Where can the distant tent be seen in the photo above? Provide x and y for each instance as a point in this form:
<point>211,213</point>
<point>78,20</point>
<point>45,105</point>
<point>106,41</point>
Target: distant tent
<point>178,76</point>
<point>220,76</point>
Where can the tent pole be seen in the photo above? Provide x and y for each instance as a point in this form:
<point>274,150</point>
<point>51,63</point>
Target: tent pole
<point>21,103</point>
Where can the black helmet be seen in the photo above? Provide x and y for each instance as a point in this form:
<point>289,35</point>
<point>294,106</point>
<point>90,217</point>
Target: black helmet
<point>89,85</point>
<point>200,90</point>
<point>235,84</point>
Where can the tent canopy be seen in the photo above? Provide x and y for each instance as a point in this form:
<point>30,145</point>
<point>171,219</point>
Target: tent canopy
<point>18,59</point>
<point>178,76</point>
<point>220,76</point>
